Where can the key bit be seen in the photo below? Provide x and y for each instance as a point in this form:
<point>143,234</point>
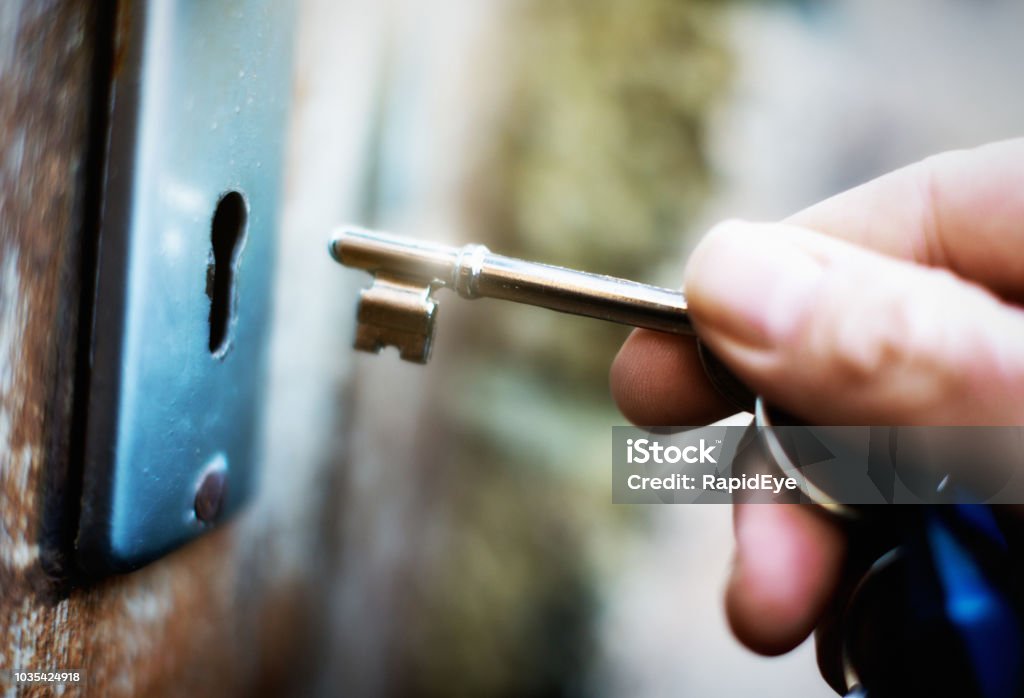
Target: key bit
<point>398,309</point>
<point>399,313</point>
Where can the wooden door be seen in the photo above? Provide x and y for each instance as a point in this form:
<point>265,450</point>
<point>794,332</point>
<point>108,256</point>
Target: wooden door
<point>222,616</point>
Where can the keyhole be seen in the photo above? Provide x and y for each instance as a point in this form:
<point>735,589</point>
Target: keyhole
<point>228,236</point>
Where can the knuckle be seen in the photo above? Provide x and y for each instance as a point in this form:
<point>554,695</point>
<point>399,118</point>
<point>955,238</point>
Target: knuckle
<point>885,338</point>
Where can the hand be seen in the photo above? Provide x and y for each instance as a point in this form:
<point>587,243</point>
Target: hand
<point>897,302</point>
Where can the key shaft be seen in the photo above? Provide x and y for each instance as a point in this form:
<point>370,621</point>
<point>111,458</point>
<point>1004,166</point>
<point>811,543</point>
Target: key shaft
<point>475,272</point>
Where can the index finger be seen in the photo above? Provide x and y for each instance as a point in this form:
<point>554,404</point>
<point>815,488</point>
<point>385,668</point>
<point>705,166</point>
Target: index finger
<point>960,210</point>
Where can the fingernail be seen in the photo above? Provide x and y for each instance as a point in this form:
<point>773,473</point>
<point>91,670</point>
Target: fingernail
<point>750,283</point>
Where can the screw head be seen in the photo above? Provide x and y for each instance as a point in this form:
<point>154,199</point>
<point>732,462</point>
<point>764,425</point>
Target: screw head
<point>210,494</point>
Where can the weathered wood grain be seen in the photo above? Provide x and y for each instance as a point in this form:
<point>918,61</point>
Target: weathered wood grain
<point>45,92</point>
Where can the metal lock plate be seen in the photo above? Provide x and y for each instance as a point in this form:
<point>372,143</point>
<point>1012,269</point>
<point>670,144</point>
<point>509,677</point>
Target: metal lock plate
<point>182,299</point>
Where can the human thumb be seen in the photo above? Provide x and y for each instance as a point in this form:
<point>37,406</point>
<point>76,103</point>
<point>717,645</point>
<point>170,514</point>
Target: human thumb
<point>840,334</point>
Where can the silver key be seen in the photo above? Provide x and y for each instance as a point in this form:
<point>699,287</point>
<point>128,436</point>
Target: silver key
<point>399,309</point>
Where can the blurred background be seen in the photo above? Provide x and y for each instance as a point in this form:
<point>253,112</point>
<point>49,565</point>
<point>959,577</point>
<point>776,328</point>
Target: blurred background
<point>465,507</point>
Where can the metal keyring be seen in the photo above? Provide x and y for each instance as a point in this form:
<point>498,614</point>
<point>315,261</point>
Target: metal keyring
<point>736,392</point>
<point>766,425</point>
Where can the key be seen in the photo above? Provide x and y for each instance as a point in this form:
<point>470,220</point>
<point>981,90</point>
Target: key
<point>399,308</point>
